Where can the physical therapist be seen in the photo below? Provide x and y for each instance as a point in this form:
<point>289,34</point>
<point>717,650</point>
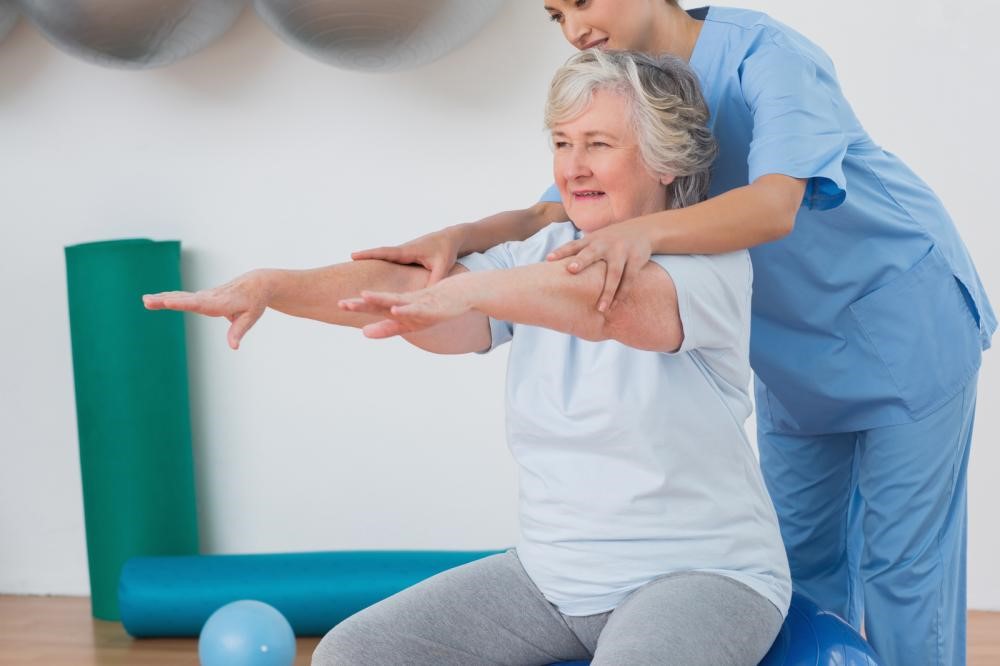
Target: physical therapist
<point>868,323</point>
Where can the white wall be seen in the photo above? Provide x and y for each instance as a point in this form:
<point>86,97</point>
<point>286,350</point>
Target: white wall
<point>254,155</point>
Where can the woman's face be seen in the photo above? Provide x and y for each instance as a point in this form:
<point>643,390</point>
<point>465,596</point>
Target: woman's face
<point>599,169</point>
<point>625,25</point>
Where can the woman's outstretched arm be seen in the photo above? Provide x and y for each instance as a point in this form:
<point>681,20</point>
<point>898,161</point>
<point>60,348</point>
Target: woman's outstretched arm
<point>314,294</point>
<point>543,294</point>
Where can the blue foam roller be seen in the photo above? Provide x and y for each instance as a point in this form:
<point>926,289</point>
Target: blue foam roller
<point>174,596</point>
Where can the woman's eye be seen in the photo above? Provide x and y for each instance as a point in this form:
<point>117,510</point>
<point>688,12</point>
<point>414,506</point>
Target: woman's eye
<point>555,17</point>
<point>561,144</point>
<point>580,3</point>
<point>598,144</point>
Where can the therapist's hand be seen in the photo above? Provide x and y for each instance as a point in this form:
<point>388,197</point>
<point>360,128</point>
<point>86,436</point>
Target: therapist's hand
<point>437,252</point>
<point>413,311</point>
<point>242,301</point>
<point>625,247</point>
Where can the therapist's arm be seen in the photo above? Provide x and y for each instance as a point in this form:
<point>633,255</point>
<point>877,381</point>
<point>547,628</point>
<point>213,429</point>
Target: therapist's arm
<point>438,251</point>
<point>761,212</point>
<point>543,295</point>
<point>744,217</point>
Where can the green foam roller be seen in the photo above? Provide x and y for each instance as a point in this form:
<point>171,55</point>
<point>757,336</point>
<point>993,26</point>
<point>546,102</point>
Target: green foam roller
<point>133,420</point>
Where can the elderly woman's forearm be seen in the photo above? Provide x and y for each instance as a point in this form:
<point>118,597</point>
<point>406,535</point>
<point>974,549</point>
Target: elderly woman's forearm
<point>314,293</point>
<point>547,295</point>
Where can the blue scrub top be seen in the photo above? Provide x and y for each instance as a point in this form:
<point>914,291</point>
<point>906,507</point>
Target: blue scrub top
<point>870,313</point>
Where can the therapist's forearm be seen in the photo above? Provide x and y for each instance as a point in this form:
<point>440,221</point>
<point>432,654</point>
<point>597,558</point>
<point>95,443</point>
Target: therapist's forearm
<point>510,225</point>
<point>739,219</point>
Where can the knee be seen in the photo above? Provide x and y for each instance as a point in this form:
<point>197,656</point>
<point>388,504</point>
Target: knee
<point>344,645</point>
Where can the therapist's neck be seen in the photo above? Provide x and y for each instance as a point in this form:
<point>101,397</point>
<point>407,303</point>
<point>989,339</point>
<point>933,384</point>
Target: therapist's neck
<point>675,33</point>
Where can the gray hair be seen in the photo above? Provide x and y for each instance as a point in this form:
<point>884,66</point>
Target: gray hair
<point>669,114</point>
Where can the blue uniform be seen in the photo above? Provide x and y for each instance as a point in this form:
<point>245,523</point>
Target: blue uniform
<point>868,324</point>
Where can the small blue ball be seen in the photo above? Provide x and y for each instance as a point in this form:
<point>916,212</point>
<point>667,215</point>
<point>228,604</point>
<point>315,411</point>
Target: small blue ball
<point>246,633</point>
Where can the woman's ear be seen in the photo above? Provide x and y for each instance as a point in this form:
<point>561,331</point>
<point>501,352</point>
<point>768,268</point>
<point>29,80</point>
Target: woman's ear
<point>666,179</point>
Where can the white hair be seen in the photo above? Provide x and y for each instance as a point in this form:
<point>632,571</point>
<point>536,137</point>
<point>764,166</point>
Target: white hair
<point>669,115</point>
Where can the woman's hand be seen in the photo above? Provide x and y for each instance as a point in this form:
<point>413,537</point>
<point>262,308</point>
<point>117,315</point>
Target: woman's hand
<point>410,312</point>
<point>625,247</point>
<point>242,301</point>
<point>437,252</point>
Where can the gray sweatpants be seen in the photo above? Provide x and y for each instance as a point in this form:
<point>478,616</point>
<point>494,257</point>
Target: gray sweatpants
<point>490,612</point>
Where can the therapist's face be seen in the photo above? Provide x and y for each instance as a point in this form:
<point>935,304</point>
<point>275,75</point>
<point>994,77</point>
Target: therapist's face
<point>599,169</point>
<point>626,25</point>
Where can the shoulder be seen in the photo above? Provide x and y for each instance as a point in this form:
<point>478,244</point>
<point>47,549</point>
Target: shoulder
<point>763,38</point>
<point>731,270</point>
<point>534,249</point>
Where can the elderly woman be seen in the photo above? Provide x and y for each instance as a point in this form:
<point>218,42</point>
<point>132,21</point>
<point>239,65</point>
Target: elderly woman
<point>647,535</point>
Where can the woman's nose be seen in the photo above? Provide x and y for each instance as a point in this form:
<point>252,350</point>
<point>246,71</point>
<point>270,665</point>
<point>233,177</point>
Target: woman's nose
<point>576,164</point>
<point>577,32</point>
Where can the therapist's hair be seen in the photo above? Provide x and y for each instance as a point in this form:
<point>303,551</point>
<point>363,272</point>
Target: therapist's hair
<point>669,114</point>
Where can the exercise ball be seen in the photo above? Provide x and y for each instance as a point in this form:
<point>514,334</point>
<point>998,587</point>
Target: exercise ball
<point>8,17</point>
<point>810,637</point>
<point>814,637</point>
<point>132,34</point>
<point>246,633</point>
<point>376,35</point>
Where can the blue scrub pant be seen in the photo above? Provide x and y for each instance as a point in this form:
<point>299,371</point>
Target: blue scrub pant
<point>876,520</point>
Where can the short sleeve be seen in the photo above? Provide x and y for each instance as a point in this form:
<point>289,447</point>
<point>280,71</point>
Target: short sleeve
<point>496,258</point>
<point>713,298</point>
<point>797,128</point>
<point>551,195</point>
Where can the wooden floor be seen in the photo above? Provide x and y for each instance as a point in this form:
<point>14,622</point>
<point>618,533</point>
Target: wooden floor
<point>58,631</point>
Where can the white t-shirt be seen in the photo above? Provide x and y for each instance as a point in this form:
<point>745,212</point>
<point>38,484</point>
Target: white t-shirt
<point>633,464</point>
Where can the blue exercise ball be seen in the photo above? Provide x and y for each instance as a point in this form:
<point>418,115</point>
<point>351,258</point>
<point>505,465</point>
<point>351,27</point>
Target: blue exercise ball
<point>132,34</point>
<point>810,637</point>
<point>814,637</point>
<point>246,633</point>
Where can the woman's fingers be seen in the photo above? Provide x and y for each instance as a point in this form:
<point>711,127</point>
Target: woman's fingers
<point>439,270</point>
<point>156,301</point>
<point>240,326</point>
<point>386,253</point>
<point>386,328</point>
<point>585,257</point>
<point>611,282</point>
<point>361,305</point>
<point>567,250</point>
<point>384,299</point>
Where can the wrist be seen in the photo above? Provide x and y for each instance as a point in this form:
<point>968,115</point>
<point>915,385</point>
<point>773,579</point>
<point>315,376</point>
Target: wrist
<point>459,234</point>
<point>266,283</point>
<point>470,288</point>
<point>656,229</point>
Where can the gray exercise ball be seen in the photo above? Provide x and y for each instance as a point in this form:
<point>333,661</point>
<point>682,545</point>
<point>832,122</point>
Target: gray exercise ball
<point>377,35</point>
<point>8,17</point>
<point>132,34</point>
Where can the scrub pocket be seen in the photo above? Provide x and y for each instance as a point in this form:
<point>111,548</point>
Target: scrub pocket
<point>922,328</point>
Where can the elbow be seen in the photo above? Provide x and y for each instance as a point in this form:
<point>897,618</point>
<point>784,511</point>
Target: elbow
<point>782,225</point>
<point>592,327</point>
<point>780,198</point>
<point>665,336</point>
<point>548,212</point>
